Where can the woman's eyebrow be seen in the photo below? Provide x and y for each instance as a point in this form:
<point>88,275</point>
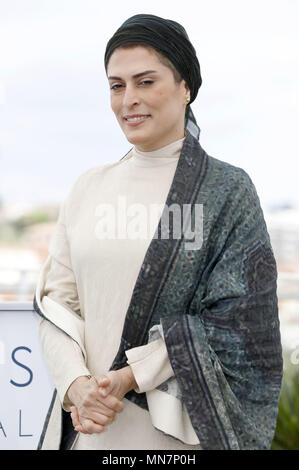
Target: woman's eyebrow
<point>137,75</point>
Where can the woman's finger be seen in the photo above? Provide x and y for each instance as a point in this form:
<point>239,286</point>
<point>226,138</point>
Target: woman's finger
<point>80,428</point>
<point>75,416</point>
<point>89,427</point>
<point>99,418</point>
<point>103,409</point>
<point>111,402</point>
<point>104,391</point>
<point>102,380</point>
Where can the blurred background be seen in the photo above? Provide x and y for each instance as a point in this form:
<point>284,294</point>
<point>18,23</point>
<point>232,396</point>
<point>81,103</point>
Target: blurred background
<point>56,122</point>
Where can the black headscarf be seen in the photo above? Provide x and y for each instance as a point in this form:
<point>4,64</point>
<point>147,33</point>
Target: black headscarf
<point>169,38</point>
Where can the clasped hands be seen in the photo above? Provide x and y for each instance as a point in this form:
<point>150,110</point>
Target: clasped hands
<point>97,401</point>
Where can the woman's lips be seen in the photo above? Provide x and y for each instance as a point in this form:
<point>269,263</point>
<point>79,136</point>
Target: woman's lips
<point>136,123</point>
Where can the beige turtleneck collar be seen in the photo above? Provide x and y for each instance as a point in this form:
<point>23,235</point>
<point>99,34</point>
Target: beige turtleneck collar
<point>164,155</point>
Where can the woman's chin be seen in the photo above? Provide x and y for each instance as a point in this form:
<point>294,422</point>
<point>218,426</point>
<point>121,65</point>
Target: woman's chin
<point>135,137</point>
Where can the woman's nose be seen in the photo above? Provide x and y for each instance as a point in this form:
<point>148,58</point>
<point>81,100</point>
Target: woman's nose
<point>130,96</point>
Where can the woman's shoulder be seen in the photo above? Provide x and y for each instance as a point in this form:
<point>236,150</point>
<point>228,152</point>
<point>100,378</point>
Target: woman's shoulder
<point>89,174</point>
<point>87,177</point>
<point>226,184</point>
<point>228,175</point>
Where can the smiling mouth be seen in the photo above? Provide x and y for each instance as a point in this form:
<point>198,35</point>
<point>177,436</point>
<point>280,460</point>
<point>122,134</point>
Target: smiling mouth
<point>137,118</point>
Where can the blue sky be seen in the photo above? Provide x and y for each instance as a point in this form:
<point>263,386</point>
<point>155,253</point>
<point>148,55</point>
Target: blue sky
<point>55,115</point>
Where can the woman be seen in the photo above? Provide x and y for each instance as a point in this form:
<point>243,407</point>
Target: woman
<point>157,342</point>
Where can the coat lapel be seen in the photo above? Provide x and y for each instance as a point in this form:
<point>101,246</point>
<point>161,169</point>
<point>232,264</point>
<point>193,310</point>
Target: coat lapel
<point>161,252</point>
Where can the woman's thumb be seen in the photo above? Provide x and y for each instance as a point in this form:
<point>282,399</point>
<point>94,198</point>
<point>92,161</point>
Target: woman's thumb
<point>103,380</point>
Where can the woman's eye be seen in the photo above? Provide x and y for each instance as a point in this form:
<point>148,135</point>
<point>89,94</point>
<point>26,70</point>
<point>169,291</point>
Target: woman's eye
<point>148,82</point>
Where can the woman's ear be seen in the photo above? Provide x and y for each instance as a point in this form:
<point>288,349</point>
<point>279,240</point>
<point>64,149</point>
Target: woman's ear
<point>186,89</point>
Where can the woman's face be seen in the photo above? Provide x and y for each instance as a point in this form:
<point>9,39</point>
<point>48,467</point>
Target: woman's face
<point>154,94</point>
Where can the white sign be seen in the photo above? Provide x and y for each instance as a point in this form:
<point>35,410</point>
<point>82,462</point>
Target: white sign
<point>26,386</point>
